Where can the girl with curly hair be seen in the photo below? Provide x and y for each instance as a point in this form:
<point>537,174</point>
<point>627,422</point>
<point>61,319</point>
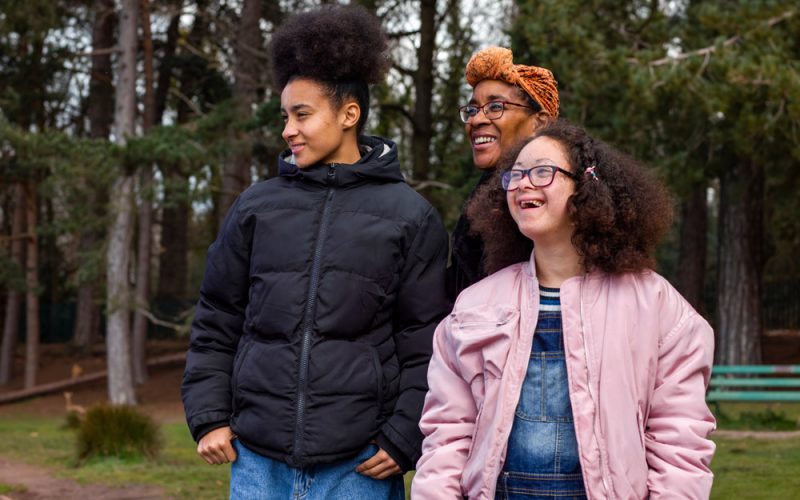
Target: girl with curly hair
<point>573,370</point>
<point>313,332</point>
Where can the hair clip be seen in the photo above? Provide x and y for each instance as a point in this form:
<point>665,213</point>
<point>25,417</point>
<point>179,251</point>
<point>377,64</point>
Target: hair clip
<point>591,171</point>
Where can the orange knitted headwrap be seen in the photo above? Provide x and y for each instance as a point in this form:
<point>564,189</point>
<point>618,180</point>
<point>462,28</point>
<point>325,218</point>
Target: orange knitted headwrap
<point>496,63</point>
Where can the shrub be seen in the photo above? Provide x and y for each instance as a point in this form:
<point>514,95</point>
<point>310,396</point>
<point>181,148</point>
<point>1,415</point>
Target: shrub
<point>72,421</point>
<point>118,431</point>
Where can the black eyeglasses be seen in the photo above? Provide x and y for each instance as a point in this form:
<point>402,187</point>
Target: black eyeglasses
<point>540,176</point>
<point>493,110</point>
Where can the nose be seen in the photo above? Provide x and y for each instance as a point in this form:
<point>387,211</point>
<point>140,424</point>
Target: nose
<point>525,182</point>
<point>289,130</point>
<point>478,119</point>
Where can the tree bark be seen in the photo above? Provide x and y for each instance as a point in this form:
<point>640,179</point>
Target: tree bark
<point>32,330</point>
<point>101,87</point>
<point>120,379</point>
<point>14,297</point>
<point>423,89</point>
<point>247,88</point>
<point>174,261</point>
<point>740,264</point>
<point>142,300</point>
<point>173,275</point>
<point>690,280</point>
<point>101,113</point>
<point>165,68</point>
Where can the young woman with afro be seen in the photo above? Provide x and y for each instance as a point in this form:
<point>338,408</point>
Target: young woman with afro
<point>573,370</point>
<point>312,336</point>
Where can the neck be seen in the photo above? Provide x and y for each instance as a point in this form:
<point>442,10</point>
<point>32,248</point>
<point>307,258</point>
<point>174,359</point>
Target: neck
<point>556,263</point>
<point>349,154</point>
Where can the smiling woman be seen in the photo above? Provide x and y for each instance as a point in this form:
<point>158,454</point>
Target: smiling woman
<point>509,103</point>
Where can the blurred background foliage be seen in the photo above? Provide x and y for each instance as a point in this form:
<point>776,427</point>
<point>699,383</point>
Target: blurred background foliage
<point>706,92</point>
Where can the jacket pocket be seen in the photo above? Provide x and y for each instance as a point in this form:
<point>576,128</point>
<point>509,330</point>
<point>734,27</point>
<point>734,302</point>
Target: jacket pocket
<point>483,339</point>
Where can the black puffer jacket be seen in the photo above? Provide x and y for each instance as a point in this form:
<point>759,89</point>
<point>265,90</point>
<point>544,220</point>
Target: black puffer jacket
<point>466,260</point>
<point>316,315</point>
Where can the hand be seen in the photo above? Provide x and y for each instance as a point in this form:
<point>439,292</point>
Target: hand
<point>216,448</point>
<point>380,466</point>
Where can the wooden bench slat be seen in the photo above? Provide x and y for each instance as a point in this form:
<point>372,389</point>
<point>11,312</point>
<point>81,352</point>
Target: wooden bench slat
<point>754,369</point>
<point>754,382</point>
<point>753,396</point>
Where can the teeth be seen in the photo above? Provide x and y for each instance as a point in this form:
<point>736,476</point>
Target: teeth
<point>484,140</point>
<point>531,204</point>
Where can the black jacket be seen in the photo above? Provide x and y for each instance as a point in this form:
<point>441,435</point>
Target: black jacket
<point>466,261</point>
<point>314,327</point>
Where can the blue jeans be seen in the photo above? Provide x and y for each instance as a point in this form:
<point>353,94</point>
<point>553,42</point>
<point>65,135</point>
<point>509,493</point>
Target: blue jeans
<point>255,477</point>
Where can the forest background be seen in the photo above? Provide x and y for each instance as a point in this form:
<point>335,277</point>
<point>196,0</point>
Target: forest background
<point>128,127</point>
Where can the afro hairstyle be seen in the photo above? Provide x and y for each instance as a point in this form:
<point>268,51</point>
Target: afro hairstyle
<point>341,47</point>
<point>334,43</point>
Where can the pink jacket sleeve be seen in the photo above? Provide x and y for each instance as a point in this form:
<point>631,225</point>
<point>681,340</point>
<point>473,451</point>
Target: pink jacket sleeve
<point>676,435</point>
<point>448,420</point>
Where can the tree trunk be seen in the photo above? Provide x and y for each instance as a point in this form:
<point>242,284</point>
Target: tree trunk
<point>740,264</point>
<point>31,287</point>
<point>247,88</point>
<point>174,261</point>
<point>120,380</point>
<point>13,300</point>
<point>189,85</point>
<point>139,337</point>
<point>101,113</point>
<point>423,89</point>
<point>173,275</point>
<point>690,280</point>
<point>165,68</point>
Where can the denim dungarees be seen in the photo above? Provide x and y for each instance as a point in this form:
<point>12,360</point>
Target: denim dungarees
<point>542,460</point>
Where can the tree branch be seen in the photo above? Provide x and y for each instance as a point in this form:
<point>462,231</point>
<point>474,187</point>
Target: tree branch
<point>707,51</point>
<point>404,71</point>
<point>389,106</point>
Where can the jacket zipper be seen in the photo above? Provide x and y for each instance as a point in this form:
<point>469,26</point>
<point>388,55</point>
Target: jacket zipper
<point>595,402</point>
<point>308,314</point>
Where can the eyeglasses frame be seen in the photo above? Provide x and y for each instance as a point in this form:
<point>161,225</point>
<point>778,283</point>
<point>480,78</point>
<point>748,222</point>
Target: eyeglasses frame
<point>527,172</point>
<point>462,110</point>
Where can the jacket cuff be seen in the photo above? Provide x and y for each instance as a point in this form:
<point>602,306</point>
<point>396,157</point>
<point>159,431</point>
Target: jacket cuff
<point>398,456</point>
<point>204,423</point>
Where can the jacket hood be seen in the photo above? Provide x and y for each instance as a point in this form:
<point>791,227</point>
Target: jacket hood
<point>378,162</point>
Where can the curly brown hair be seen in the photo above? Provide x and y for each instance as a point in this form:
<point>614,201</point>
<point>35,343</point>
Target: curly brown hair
<point>620,215</point>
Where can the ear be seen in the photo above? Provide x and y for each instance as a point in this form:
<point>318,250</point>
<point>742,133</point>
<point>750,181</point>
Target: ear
<point>350,114</point>
<point>539,120</point>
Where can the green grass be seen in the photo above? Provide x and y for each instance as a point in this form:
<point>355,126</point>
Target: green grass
<point>744,468</point>
<point>758,416</point>
<point>178,469</point>
<point>756,469</point>
<point>11,488</point>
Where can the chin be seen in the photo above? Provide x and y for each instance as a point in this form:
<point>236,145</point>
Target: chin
<point>486,164</point>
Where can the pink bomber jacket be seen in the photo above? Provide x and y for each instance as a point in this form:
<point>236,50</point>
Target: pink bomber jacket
<point>638,361</point>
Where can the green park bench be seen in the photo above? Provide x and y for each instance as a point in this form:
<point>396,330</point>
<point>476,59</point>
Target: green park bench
<point>772,383</point>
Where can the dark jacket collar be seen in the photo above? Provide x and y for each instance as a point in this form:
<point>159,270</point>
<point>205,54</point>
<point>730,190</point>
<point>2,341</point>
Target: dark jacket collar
<point>378,163</point>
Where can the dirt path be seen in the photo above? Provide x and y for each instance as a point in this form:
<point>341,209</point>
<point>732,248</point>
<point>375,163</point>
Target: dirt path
<point>37,483</point>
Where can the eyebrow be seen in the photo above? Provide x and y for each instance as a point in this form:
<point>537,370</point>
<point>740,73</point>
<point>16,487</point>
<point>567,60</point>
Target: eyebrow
<point>493,97</point>
<point>536,163</point>
<point>296,107</point>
